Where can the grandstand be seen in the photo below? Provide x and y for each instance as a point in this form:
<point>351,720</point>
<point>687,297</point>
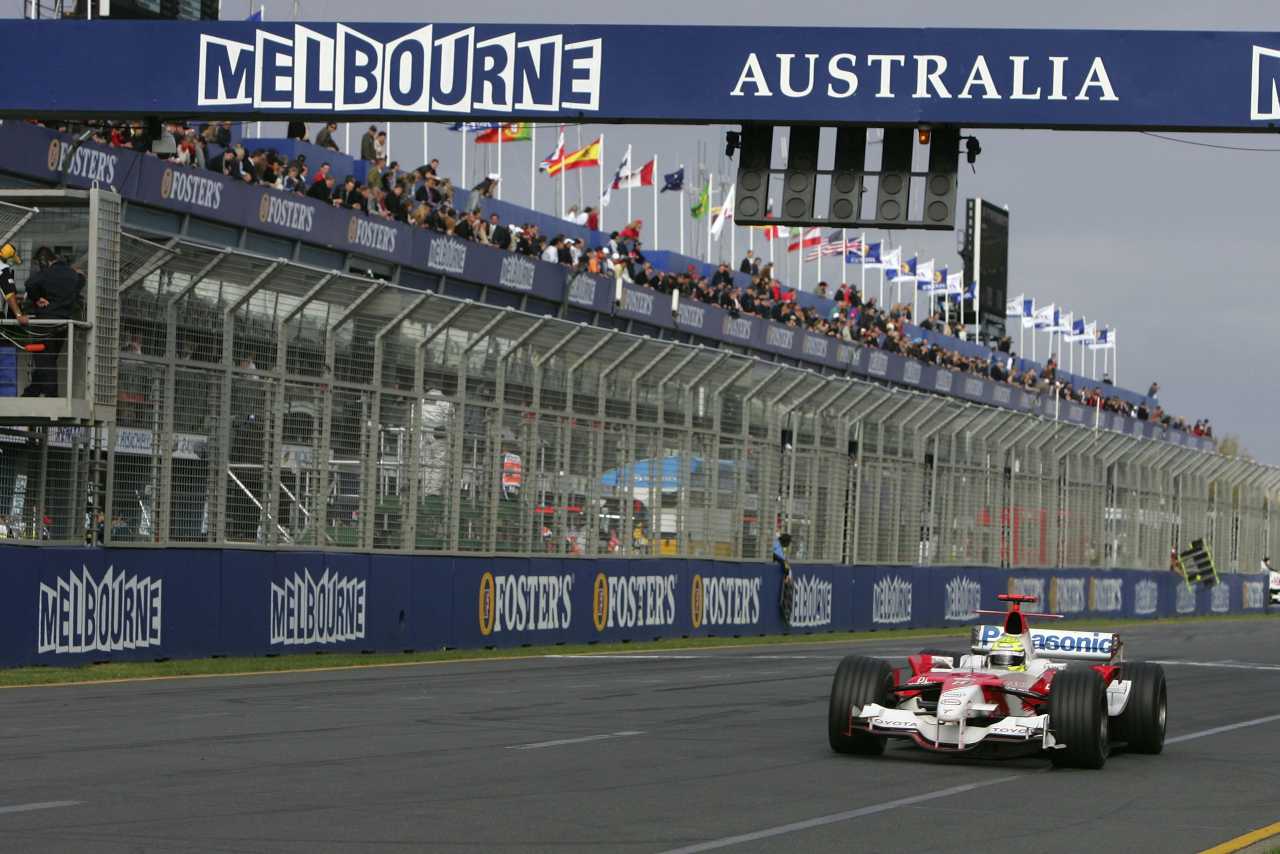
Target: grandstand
<point>295,375</point>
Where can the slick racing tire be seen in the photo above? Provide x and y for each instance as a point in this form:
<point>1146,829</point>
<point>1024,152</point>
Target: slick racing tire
<point>858,681</point>
<point>1142,723</point>
<point>1078,719</point>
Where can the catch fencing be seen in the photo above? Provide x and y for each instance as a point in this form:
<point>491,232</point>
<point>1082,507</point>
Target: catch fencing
<point>264,402</point>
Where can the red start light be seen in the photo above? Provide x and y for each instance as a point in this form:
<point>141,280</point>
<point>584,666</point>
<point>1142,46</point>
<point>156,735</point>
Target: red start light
<point>924,136</point>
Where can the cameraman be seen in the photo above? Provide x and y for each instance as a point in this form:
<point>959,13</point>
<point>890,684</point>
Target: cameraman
<point>55,292</point>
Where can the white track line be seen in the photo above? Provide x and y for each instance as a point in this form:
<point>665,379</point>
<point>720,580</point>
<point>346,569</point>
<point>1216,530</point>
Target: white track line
<point>42,805</point>
<point>560,741</point>
<point>1220,729</point>
<point>835,818</point>
<point>1232,665</point>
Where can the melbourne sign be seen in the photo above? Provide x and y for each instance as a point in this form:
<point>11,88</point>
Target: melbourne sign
<point>1123,79</point>
<point>116,611</point>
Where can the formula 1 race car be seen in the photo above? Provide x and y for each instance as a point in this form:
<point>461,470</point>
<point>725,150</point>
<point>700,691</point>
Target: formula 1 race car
<point>1019,690</point>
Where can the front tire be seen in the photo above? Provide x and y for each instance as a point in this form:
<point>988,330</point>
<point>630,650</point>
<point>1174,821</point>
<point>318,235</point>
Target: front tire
<point>1143,721</point>
<point>858,681</point>
<point>1078,719</point>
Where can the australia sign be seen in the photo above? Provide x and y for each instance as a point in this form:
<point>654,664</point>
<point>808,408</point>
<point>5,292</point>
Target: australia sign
<point>1095,79</point>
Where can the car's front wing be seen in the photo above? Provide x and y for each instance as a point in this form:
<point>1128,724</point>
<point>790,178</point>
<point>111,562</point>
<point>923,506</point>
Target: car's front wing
<point>928,732</point>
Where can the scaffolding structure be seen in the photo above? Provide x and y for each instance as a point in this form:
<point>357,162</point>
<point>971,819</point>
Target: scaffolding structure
<point>264,402</point>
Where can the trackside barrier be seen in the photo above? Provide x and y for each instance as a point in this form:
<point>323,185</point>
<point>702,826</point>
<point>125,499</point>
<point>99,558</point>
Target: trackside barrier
<point>73,606</point>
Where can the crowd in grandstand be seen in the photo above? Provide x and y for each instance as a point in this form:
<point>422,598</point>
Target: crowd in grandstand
<point>424,198</point>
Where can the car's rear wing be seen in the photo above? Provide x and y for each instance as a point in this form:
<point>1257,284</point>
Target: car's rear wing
<point>1055,643</point>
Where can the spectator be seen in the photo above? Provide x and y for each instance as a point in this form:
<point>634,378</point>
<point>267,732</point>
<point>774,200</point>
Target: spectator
<point>750,264</point>
<point>499,234</point>
<point>322,189</point>
<point>593,219</point>
<point>349,196</point>
<point>296,130</point>
<point>324,138</point>
<point>380,145</point>
<point>1154,391</point>
<point>369,144</point>
<point>487,187</point>
<point>552,252</point>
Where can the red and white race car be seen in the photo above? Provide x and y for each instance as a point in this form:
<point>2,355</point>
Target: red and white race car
<point>1018,690</point>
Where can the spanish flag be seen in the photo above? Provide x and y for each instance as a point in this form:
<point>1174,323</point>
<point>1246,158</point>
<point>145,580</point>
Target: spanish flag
<point>513,132</point>
<point>588,155</point>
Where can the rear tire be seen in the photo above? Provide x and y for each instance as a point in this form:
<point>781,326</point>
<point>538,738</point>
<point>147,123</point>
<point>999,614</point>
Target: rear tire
<point>1142,723</point>
<point>858,681</point>
<point>1078,719</point>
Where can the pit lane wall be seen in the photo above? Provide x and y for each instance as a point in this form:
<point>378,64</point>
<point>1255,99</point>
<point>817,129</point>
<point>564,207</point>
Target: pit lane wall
<point>62,606</point>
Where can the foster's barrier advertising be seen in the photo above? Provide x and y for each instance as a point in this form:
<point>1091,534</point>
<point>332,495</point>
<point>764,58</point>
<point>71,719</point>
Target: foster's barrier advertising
<point>80,605</point>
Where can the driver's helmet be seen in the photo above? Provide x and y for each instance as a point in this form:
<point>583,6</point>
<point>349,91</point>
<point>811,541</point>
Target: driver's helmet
<point>1007,653</point>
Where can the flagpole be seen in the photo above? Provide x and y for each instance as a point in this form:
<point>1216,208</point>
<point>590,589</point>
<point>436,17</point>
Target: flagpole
<point>915,291</point>
<point>346,140</point>
<point>579,171</point>
<point>680,211</point>
<point>389,143</point>
<point>599,178</point>
<point>564,187</point>
<point>1115,359</point>
<point>862,289</point>
<point>501,128</point>
<point>425,158</point>
<point>711,203</point>
<point>533,166</point>
<point>630,171</point>
<point>463,134</point>
<point>844,256</point>
<point>977,272</point>
<point>881,302</point>
<point>654,185</point>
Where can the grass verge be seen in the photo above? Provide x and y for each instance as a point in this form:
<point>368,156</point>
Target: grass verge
<point>21,677</point>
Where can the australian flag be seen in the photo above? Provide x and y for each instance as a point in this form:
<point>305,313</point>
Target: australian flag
<point>673,180</point>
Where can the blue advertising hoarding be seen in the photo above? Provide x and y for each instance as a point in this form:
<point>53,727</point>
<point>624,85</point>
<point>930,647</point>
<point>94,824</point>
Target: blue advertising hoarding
<point>409,71</point>
<point>80,605</point>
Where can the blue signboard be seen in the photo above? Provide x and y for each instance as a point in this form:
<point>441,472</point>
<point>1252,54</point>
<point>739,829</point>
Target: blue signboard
<point>78,605</point>
<point>403,71</point>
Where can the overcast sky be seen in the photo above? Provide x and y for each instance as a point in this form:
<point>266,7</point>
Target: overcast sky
<point>1172,245</point>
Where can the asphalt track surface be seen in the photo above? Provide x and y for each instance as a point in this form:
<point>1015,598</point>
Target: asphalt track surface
<point>700,750</point>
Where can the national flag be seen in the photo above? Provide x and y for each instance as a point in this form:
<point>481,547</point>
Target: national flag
<point>1013,308</point>
<point>555,157</point>
<point>774,231</point>
<point>642,178</point>
<point>699,209</point>
<point>955,284</point>
<point>725,213</point>
<point>1044,317</point>
<point>588,155</point>
<point>673,180</point>
<point>1090,332</point>
<point>512,132</point>
<point>809,237</point>
<point>474,127</point>
<point>1062,322</point>
<point>858,252</point>
<point>624,168</point>
<point>256,16</point>
<point>835,245</point>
